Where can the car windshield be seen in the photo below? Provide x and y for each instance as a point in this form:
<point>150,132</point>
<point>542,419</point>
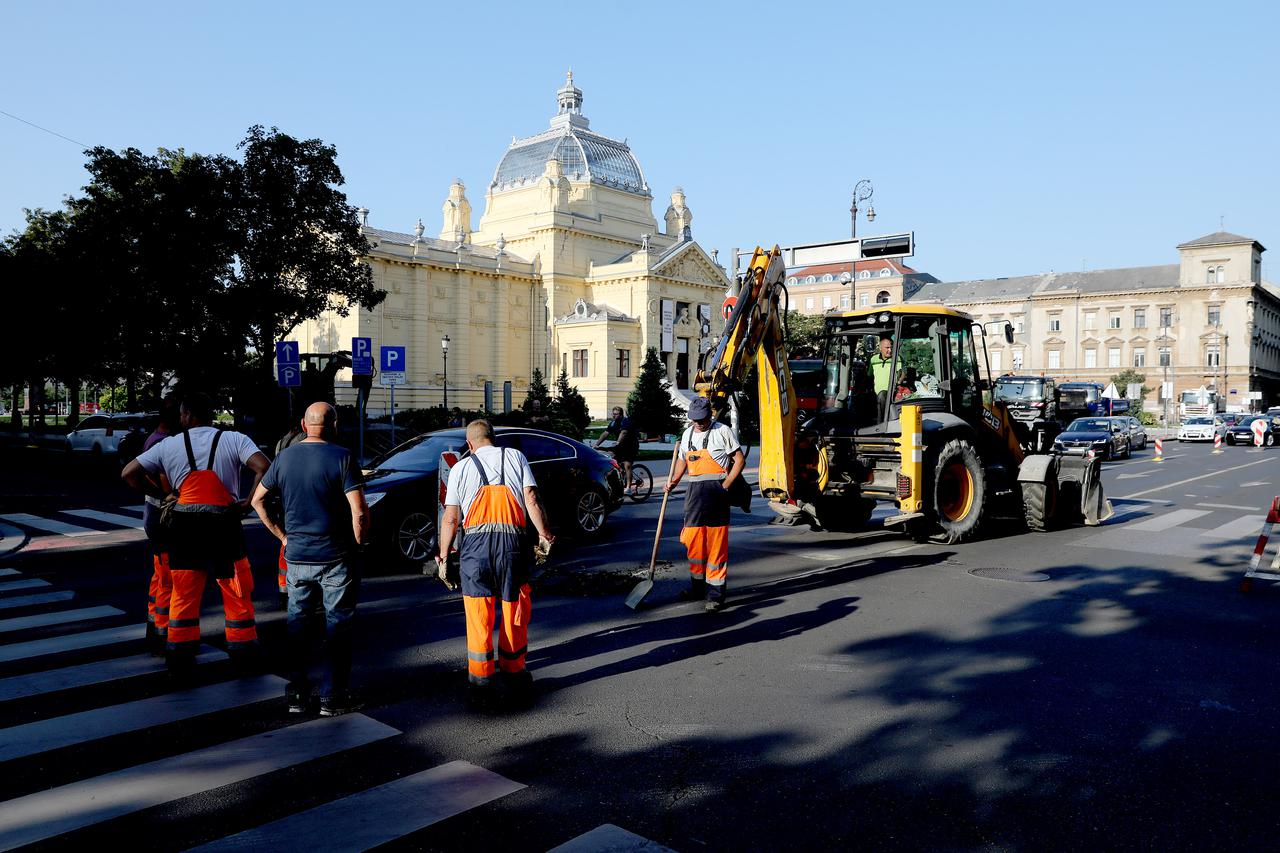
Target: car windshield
<point>1248,420</point>
<point>1199,422</point>
<point>420,455</point>
<point>1020,389</point>
<point>1090,425</point>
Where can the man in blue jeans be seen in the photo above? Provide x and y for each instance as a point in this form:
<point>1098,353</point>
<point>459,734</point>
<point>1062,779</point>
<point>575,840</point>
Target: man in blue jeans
<point>326,520</point>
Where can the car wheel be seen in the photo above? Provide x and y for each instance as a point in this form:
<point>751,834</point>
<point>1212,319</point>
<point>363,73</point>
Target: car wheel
<point>590,511</point>
<point>415,537</point>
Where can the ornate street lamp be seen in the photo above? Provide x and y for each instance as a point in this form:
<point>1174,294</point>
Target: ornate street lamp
<point>862,191</point>
<point>444,348</point>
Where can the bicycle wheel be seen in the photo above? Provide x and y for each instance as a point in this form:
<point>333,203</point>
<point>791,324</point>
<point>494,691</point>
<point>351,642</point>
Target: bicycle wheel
<point>642,480</point>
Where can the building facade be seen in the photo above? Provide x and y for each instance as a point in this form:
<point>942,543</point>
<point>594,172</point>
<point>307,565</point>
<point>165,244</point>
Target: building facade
<point>567,268</point>
<point>815,290</point>
<point>1208,320</point>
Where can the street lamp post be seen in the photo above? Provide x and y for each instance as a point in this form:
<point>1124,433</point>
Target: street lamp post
<point>1165,358</point>
<point>444,348</point>
<point>862,191</point>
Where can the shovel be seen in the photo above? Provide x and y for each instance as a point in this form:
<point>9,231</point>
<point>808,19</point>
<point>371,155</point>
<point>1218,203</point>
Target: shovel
<point>643,588</point>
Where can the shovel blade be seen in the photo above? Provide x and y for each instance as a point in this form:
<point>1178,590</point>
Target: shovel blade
<point>639,592</point>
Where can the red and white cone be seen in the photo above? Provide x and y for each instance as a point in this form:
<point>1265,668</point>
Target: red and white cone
<point>1159,450</point>
<point>1217,443</point>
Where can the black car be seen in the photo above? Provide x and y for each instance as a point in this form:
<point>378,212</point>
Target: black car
<point>1106,437</point>
<point>1242,431</point>
<point>579,486</point>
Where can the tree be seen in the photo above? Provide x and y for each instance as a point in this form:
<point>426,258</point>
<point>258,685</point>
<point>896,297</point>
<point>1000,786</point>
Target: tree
<point>1129,376</point>
<point>650,407</point>
<point>537,391</point>
<point>569,408</point>
<point>804,335</point>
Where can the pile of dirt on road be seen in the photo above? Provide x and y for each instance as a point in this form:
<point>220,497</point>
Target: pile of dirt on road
<point>589,583</point>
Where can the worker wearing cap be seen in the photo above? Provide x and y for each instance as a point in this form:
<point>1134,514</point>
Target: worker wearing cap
<point>712,457</point>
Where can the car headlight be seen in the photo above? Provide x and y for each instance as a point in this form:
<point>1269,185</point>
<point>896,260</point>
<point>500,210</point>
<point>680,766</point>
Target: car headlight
<point>372,499</point>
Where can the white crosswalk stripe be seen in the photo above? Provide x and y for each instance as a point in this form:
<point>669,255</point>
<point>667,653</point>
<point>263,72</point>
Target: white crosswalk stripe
<point>8,573</point>
<point>1168,520</point>
<point>71,642</point>
<point>9,602</point>
<point>89,674</point>
<point>25,583</point>
<point>109,517</point>
<point>60,617</point>
<point>49,525</point>
<point>611,838</point>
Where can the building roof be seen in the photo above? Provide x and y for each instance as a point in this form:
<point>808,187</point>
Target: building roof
<point>1164,277</point>
<point>583,155</point>
<point>1220,238</point>
<point>588,312</point>
<point>382,235</point>
<point>894,266</point>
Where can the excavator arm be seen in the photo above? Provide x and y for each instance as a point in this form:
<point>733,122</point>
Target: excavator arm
<point>754,334</point>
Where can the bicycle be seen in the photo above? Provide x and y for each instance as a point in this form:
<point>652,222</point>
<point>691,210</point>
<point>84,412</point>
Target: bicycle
<point>641,486</point>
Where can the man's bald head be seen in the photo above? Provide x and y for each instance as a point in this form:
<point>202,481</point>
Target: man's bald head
<point>319,419</point>
<point>479,433</point>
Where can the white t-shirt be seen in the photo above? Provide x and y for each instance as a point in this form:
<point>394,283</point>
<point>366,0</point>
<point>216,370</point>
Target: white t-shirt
<point>170,456</point>
<point>465,483</point>
<point>721,443</point>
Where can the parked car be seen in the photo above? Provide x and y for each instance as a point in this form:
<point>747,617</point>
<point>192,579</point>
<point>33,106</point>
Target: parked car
<point>1137,434</point>
<point>1106,437</point>
<point>1242,432</point>
<point>1197,428</point>
<point>579,486</point>
<point>101,435</point>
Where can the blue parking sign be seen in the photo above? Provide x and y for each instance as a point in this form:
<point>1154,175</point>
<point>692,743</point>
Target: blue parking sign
<point>393,360</point>
<point>362,356</point>
<point>289,375</point>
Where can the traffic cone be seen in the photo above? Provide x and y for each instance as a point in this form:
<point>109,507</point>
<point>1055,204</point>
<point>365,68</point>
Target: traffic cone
<point>1159,450</point>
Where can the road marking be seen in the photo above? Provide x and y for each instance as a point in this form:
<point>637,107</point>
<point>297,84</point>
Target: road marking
<point>49,525</point>
<point>1169,519</point>
<point>10,602</point>
<point>1253,483</point>
<point>109,517</point>
<point>1245,527</point>
<point>71,642</point>
<point>25,583</point>
<point>9,572</point>
<point>1132,476</point>
<point>378,815</point>
<point>138,508</point>
<point>609,837</point>
<point>1217,473</point>
<point>87,674</point>
<point>1230,506</point>
<point>71,729</point>
<point>47,814</point>
<point>58,617</point>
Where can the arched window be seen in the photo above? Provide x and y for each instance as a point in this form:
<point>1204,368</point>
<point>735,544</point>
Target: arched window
<point>865,274</point>
<point>791,282</point>
<point>809,279</point>
<point>882,297</point>
<point>828,278</point>
<point>1222,274</point>
<point>884,273</point>
<point>1208,276</point>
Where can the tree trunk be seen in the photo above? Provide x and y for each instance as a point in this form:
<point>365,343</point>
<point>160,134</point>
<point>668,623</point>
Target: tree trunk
<point>35,402</point>
<point>131,392</point>
<point>17,412</point>
<point>73,402</point>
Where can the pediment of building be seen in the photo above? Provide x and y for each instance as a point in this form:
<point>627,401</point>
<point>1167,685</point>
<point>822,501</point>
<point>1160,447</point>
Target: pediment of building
<point>689,263</point>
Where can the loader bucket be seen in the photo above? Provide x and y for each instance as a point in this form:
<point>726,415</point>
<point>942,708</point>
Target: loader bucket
<point>1086,475</point>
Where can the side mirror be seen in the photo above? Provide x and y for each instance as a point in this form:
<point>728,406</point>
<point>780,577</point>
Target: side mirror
<point>870,343</point>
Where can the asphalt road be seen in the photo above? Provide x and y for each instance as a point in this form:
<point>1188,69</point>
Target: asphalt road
<point>1112,690</point>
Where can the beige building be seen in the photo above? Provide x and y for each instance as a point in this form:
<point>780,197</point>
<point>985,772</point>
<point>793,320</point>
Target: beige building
<point>567,267</point>
<point>821,288</point>
<point>1208,320</point>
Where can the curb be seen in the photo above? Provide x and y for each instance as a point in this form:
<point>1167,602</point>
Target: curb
<point>8,536</point>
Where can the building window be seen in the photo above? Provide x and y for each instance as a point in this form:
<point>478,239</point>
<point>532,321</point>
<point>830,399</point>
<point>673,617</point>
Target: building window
<point>1055,359</point>
<point>864,300</point>
<point>1221,274</point>
<point>1090,320</point>
<point>1017,325</point>
<point>1139,358</point>
<point>845,300</point>
<point>827,302</point>
<point>1208,276</point>
<point>624,363</point>
<point>865,274</point>
<point>828,278</point>
<point>808,303</point>
<point>1113,356</point>
<point>885,273</point>
<point>1166,318</point>
<point>1139,318</point>
<point>810,279</point>
<point>1212,357</point>
<point>1164,357</point>
<point>1017,359</point>
<point>1091,358</point>
<point>791,282</point>
<point>1215,315</point>
<point>1055,324</point>
<point>1113,321</point>
<point>995,361</point>
<point>882,298</point>
<point>579,363</point>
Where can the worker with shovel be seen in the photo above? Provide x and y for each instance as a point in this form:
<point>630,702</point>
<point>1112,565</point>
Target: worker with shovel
<point>710,454</point>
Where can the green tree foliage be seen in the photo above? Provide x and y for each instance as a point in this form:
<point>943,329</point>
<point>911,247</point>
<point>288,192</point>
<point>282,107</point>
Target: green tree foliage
<point>804,335</point>
<point>649,405</point>
<point>537,391</point>
<point>1129,376</point>
<point>569,410</point>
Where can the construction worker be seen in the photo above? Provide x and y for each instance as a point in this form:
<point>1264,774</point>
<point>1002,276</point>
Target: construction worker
<point>492,495</point>
<point>203,464</point>
<point>713,458</point>
<point>161,582</point>
<point>882,369</point>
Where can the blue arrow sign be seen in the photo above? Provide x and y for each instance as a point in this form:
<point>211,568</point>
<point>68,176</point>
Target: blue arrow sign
<point>287,352</point>
<point>362,356</point>
<point>393,360</point>
<point>289,375</point>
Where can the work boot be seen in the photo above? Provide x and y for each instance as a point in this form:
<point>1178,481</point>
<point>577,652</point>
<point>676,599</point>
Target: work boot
<point>297,698</point>
<point>344,702</point>
<point>713,605</point>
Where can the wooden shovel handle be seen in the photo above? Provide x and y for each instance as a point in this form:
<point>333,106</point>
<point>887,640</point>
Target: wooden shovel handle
<point>657,535</point>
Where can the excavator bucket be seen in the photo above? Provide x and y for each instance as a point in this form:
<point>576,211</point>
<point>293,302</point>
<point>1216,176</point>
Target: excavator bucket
<point>1086,475</point>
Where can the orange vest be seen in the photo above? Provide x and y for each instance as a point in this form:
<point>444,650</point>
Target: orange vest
<point>201,490</point>
<point>495,508</point>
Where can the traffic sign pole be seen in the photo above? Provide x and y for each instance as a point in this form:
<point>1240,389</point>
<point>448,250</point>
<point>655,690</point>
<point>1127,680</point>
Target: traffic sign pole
<point>393,416</point>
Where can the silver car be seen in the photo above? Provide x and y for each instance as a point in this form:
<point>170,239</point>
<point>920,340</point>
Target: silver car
<point>1137,434</point>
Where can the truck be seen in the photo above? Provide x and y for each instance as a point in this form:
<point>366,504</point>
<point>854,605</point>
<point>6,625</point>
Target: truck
<point>934,443</point>
<point>1201,401</point>
<point>1029,398</point>
<point>1086,400</point>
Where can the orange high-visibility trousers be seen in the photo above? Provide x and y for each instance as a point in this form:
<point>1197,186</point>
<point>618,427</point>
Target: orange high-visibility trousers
<point>513,634</point>
<point>161,592</point>
<point>282,573</point>
<point>708,549</point>
<point>237,604</point>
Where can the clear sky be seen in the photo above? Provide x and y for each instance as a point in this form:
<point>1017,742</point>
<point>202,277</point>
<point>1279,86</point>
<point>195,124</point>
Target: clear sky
<point>1013,138</point>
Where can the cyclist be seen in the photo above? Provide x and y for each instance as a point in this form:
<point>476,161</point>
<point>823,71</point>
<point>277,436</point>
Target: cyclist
<point>628,444</point>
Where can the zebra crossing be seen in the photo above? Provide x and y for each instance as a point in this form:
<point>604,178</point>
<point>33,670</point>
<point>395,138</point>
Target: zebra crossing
<point>81,706</point>
<point>1164,529</point>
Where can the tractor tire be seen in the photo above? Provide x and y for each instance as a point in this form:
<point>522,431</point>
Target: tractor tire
<point>1040,504</point>
<point>959,491</point>
<point>843,515</point>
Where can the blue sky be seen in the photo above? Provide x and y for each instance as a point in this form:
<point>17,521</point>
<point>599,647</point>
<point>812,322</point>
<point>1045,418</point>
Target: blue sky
<point>1013,138</point>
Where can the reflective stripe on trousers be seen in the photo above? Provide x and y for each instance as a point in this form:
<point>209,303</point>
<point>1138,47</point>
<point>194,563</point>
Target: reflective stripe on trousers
<point>237,603</point>
<point>161,592</point>
<point>708,549</point>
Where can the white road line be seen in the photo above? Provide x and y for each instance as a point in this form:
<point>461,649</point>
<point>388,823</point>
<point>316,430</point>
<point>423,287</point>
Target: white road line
<point>1217,473</point>
<point>1231,506</point>
<point>138,508</point>
<point>378,815</point>
<point>59,617</point>
<point>71,642</point>
<point>49,525</point>
<point>88,674</point>
<point>57,732</point>
<point>8,602</point>
<point>47,814</point>
<point>1245,527</point>
<point>1169,519</point>
<point>609,837</point>
<point>25,583</point>
<point>108,517</point>
<point>9,572</point>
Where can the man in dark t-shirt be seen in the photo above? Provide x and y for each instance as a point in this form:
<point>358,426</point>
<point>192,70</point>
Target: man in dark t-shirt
<point>325,521</point>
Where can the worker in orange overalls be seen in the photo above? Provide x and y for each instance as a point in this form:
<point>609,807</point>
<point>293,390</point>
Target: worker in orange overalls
<point>712,457</point>
<point>206,536</point>
<point>492,494</point>
<point>161,588</point>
